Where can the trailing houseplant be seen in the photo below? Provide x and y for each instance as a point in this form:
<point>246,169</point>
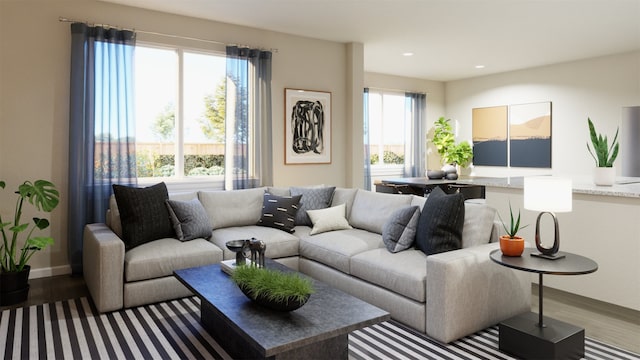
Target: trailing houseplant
<point>511,244</point>
<point>444,141</point>
<point>604,155</point>
<point>14,253</point>
<point>273,288</point>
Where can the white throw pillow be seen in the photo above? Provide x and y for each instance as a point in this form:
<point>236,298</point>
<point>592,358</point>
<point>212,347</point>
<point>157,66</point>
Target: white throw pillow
<point>328,219</point>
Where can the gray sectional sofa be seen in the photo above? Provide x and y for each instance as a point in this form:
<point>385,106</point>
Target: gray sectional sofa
<point>447,295</point>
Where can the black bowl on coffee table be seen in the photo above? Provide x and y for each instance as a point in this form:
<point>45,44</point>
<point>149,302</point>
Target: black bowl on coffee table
<point>240,247</point>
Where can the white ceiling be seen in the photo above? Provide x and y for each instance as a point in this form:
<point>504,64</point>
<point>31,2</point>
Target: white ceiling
<point>448,37</point>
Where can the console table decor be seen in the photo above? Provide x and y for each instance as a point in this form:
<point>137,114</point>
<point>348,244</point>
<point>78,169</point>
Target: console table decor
<point>538,337</point>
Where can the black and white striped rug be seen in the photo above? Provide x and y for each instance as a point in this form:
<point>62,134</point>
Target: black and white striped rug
<point>73,329</point>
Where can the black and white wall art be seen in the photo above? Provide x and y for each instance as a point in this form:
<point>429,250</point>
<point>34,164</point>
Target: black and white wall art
<point>307,127</point>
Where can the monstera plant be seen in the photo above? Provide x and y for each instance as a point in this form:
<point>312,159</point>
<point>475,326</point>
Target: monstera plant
<point>19,239</point>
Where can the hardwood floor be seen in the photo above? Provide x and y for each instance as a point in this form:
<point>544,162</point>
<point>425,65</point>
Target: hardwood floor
<point>605,322</point>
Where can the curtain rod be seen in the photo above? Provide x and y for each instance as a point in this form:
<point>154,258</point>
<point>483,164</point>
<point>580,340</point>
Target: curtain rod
<point>64,19</point>
<point>396,90</point>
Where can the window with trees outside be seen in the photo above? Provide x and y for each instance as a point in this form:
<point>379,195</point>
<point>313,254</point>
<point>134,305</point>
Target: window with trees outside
<point>387,127</point>
<point>180,113</point>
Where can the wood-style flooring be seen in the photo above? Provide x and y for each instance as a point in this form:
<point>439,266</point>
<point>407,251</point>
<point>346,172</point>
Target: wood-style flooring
<point>602,321</point>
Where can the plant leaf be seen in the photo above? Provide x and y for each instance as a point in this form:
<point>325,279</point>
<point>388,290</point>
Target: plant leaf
<point>42,194</point>
<point>19,228</point>
<point>39,243</point>
<point>41,223</point>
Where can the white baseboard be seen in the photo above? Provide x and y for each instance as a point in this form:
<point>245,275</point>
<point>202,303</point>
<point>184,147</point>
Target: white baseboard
<point>49,271</point>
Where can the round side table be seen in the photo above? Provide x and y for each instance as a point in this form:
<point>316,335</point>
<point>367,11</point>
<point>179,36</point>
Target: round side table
<point>522,335</point>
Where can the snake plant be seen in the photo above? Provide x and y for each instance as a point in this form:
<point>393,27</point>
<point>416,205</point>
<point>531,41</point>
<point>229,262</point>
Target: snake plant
<point>605,154</point>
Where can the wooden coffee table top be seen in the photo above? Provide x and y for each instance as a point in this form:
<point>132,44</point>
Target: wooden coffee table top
<point>328,313</point>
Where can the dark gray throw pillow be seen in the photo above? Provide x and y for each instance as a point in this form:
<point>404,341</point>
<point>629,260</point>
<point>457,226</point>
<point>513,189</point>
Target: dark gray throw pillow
<point>441,222</point>
<point>279,212</point>
<point>143,214</point>
<point>312,199</point>
<point>399,232</point>
<point>189,219</point>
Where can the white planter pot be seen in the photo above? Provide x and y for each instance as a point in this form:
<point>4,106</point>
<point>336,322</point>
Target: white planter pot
<point>604,176</point>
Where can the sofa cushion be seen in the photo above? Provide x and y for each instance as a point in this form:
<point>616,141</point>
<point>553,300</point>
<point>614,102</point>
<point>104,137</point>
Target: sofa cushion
<point>441,222</point>
<point>233,207</point>
<point>478,224</point>
<point>189,219</point>
<point>328,219</point>
<point>161,257</point>
<point>404,273</point>
<point>336,248</point>
<point>279,243</point>
<point>143,214</point>
<point>313,198</point>
<point>344,196</point>
<point>399,232</point>
<point>371,209</point>
<point>279,212</point>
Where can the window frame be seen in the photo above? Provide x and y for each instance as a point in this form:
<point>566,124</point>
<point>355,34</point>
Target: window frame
<point>382,169</point>
<point>180,182</point>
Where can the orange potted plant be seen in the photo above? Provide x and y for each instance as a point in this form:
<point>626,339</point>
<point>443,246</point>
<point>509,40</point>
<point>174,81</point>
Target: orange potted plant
<point>511,244</point>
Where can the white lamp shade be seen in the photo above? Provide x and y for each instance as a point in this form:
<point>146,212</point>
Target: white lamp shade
<point>548,193</point>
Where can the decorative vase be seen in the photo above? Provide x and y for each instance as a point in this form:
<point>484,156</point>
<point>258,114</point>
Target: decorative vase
<point>604,176</point>
<point>435,174</point>
<point>14,286</point>
<point>511,246</point>
<point>288,304</point>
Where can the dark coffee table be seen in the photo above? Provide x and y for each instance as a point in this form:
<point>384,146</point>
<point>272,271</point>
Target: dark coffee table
<point>532,336</point>
<point>246,330</point>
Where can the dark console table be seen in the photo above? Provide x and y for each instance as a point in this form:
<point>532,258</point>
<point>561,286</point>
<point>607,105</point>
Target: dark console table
<point>423,186</point>
<point>539,337</point>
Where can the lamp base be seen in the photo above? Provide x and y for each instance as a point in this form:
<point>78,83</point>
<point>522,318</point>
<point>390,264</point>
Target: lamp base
<point>555,256</point>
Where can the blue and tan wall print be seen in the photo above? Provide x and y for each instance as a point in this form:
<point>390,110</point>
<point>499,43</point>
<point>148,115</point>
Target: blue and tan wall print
<point>489,134</point>
<point>530,135</point>
<point>515,135</point>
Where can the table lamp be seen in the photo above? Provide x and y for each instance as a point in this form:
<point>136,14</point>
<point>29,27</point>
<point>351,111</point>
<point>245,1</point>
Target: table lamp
<point>549,195</point>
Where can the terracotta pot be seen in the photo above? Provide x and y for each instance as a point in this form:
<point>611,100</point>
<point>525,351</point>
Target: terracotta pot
<point>511,247</point>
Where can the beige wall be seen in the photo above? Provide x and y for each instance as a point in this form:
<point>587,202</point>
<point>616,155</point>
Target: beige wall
<point>34,94</point>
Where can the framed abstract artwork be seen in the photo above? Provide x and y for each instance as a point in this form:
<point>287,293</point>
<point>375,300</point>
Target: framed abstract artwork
<point>489,135</point>
<point>307,118</point>
<point>530,135</point>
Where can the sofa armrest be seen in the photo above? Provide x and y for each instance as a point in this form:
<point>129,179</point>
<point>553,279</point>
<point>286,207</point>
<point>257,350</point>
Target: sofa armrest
<point>103,266</point>
<point>467,292</point>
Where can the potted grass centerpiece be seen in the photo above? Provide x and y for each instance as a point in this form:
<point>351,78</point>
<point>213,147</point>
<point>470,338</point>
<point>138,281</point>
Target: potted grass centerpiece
<point>272,288</point>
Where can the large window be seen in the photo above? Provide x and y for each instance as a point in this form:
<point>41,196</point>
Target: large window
<point>387,128</point>
<point>180,112</point>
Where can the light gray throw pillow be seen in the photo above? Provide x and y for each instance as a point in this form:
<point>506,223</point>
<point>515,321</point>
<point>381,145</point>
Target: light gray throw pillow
<point>399,232</point>
<point>313,198</point>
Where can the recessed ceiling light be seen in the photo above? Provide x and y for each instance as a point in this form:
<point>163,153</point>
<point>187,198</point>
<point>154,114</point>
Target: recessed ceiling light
<point>407,54</point>
<point>479,66</point>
